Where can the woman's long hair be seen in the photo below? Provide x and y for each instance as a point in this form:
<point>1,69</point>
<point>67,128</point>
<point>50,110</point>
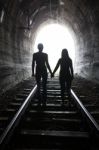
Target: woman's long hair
<point>65,55</point>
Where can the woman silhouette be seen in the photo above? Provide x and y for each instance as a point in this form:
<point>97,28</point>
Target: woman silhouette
<point>65,75</point>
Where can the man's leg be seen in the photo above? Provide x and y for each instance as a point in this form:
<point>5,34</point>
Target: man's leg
<point>44,82</point>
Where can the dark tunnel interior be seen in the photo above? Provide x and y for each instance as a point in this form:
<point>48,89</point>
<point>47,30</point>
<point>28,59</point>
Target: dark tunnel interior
<point>20,20</point>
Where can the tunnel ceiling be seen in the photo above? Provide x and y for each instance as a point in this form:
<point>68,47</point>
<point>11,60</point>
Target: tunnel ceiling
<point>79,14</point>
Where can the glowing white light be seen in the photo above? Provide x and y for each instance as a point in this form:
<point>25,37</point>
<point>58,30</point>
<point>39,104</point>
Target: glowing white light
<point>54,38</point>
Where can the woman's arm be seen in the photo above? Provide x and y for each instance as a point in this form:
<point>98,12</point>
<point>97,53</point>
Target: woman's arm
<point>71,69</point>
<point>57,65</point>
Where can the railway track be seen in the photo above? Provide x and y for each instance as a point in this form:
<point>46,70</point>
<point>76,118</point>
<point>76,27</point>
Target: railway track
<point>25,125</point>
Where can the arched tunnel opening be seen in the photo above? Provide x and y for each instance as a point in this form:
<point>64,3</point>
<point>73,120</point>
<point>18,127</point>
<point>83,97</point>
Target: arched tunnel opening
<point>55,37</point>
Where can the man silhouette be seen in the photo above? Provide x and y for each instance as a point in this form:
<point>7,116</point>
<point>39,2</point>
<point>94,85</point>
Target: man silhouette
<point>40,60</point>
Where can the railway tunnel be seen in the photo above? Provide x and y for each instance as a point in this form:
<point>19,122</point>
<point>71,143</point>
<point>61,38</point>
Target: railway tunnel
<point>20,23</point>
<point>58,24</point>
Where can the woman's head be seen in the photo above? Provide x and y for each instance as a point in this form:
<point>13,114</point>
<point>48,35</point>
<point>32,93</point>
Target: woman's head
<point>65,53</point>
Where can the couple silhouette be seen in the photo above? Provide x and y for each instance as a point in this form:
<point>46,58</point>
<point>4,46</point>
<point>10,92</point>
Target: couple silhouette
<point>40,60</point>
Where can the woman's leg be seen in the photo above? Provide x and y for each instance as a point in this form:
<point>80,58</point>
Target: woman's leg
<point>38,81</point>
<point>62,85</point>
<point>68,90</point>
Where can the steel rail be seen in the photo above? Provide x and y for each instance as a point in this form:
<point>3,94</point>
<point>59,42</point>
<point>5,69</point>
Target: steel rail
<point>89,118</point>
<point>10,128</point>
<point>12,125</point>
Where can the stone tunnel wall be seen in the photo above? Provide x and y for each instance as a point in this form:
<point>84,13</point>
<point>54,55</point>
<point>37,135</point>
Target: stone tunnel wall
<point>87,55</point>
<point>15,54</point>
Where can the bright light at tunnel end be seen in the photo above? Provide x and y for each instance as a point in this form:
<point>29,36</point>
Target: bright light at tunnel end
<point>55,37</point>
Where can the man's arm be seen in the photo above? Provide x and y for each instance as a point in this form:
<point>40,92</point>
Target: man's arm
<point>33,64</point>
<point>47,64</point>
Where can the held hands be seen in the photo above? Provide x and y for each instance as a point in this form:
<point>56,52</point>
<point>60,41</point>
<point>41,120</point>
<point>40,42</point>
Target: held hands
<point>52,75</point>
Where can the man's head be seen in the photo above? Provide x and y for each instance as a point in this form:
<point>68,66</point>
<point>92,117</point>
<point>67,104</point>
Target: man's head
<point>40,47</point>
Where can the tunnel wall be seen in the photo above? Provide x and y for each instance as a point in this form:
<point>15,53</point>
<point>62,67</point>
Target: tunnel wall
<point>84,18</point>
<point>15,54</point>
<point>87,64</point>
